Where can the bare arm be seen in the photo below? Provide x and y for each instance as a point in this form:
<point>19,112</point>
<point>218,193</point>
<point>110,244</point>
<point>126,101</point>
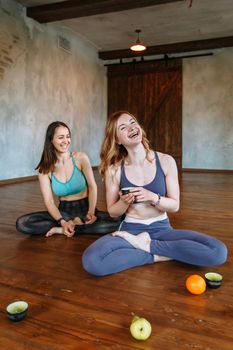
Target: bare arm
<point>47,194</point>
<point>45,187</point>
<point>92,187</point>
<point>117,204</point>
<point>171,202</point>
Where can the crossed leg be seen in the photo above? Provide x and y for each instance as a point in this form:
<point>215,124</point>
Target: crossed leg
<point>141,241</point>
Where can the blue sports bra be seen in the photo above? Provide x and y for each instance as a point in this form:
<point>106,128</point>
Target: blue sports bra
<point>76,184</point>
<point>157,185</point>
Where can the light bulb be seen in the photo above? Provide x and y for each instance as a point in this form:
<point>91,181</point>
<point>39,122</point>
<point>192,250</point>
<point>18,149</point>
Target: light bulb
<point>138,47</point>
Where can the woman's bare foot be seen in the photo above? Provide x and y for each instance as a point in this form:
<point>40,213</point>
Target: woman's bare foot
<point>158,258</point>
<point>53,231</point>
<point>140,241</point>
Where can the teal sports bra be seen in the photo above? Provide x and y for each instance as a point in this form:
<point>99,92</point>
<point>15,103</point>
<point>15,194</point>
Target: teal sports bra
<point>75,185</point>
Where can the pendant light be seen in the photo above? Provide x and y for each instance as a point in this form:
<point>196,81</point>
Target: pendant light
<point>138,45</point>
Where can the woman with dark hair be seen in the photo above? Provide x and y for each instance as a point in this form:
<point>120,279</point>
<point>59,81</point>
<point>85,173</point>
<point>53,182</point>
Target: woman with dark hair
<point>69,176</point>
<point>145,235</point>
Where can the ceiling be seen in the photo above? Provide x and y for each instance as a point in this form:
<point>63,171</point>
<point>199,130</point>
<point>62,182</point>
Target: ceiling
<point>165,23</point>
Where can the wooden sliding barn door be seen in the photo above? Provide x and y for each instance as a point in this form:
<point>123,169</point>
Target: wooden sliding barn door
<point>152,91</point>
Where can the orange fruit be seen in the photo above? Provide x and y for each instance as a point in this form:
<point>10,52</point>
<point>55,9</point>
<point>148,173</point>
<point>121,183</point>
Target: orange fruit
<point>195,284</point>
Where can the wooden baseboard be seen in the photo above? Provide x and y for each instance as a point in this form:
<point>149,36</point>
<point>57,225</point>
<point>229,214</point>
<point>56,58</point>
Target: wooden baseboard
<point>195,170</point>
<point>18,180</point>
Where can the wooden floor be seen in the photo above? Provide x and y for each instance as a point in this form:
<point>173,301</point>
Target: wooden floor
<point>69,309</point>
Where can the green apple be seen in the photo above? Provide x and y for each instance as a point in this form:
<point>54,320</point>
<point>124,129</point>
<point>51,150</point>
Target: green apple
<point>140,328</point>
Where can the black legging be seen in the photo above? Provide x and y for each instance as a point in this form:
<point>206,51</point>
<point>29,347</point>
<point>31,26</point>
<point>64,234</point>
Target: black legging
<point>39,223</point>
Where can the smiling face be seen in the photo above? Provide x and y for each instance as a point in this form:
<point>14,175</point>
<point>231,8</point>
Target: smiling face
<point>61,139</point>
<point>128,131</point>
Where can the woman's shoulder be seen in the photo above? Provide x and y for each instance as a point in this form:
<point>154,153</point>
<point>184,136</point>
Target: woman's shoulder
<point>79,156</point>
<point>114,171</point>
<point>167,161</point>
<point>165,157</point>
<point>114,167</point>
<point>44,177</point>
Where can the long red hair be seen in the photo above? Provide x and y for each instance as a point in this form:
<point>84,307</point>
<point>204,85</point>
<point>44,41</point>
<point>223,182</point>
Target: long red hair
<point>111,152</point>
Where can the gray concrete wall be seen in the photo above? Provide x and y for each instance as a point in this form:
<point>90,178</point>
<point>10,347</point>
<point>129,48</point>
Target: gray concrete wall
<point>208,111</point>
<point>41,83</point>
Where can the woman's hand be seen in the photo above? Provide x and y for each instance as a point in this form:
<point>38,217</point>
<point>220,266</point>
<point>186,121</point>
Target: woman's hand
<point>127,198</point>
<point>68,228</point>
<point>90,218</point>
<point>78,221</point>
<point>142,195</point>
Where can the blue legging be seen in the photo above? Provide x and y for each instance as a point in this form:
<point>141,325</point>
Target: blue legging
<point>110,254</point>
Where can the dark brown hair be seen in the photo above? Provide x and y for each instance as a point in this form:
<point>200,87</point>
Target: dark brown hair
<point>49,157</point>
